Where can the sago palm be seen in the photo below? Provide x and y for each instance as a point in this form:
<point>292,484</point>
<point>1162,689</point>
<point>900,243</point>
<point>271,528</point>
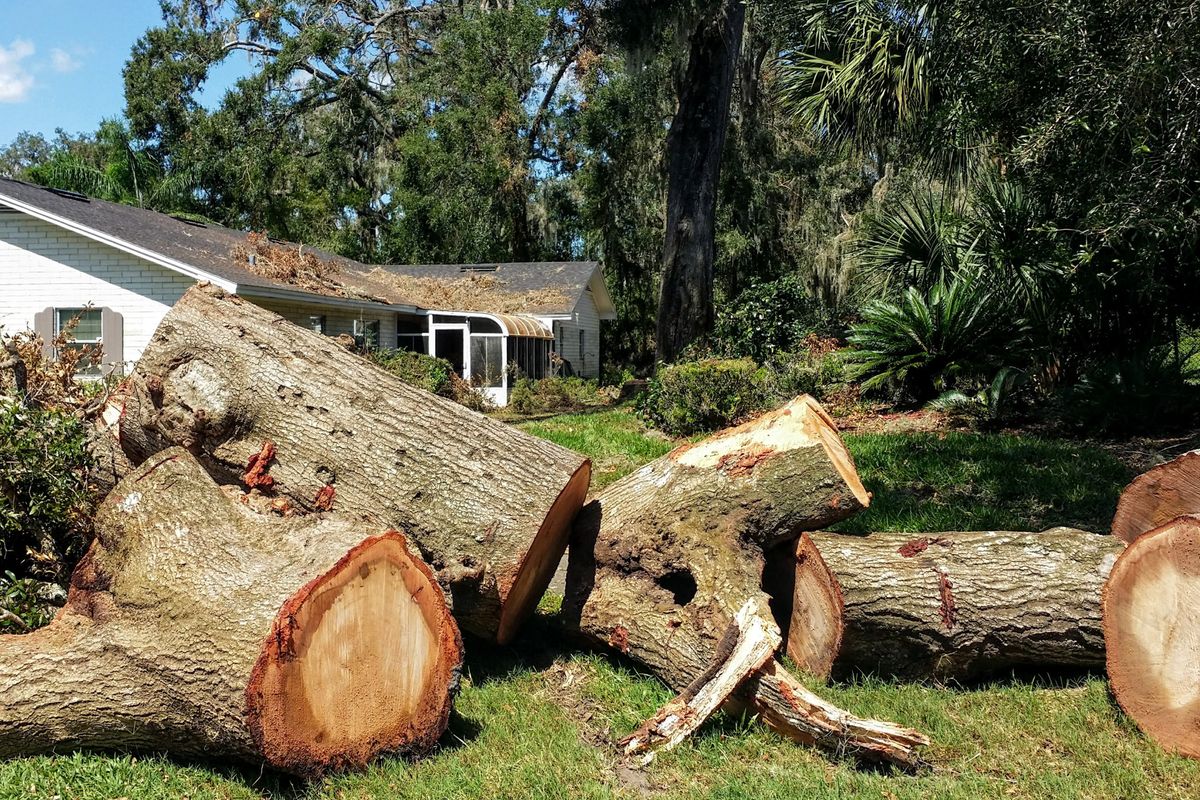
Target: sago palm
<point>927,341</point>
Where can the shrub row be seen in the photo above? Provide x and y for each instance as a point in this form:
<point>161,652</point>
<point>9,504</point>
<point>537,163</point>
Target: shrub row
<point>698,396</point>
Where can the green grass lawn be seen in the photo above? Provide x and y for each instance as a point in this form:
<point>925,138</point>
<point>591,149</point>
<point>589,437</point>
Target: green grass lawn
<point>615,440</point>
<point>535,720</point>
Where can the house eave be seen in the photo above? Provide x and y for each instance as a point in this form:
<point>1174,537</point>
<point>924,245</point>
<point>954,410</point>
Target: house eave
<point>119,244</point>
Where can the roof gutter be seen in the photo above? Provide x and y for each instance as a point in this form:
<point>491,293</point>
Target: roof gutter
<point>310,298</point>
<point>119,244</point>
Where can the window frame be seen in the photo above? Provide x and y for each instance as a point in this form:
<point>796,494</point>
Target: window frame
<point>95,369</point>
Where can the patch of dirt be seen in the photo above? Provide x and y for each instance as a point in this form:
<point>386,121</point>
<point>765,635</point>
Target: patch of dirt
<point>874,421</point>
<point>564,681</point>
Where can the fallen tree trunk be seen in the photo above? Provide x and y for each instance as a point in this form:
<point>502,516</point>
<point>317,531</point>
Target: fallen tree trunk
<point>1153,636</point>
<point>197,626</point>
<point>662,561</point>
<point>947,606</point>
<point>489,506</point>
<point>1158,496</point>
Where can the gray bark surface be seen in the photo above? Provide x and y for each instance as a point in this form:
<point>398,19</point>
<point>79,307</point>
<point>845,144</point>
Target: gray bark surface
<point>222,376</point>
<point>966,605</point>
<point>166,617</point>
<point>663,559</point>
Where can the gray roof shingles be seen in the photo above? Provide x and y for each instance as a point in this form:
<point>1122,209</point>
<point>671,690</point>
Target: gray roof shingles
<point>209,248</point>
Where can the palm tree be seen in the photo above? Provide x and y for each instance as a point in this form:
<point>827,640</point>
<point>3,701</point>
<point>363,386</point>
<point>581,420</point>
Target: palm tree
<point>112,166</point>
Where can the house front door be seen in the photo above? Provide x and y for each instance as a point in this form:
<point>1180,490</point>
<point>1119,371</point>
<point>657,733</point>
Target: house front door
<point>450,343</point>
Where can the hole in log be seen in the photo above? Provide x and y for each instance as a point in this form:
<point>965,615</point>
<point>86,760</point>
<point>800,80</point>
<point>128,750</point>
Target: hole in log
<point>360,661</point>
<point>680,584</point>
<point>543,556</point>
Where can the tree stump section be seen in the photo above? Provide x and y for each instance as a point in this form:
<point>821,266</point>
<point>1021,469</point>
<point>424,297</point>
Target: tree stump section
<point>489,506</point>
<point>948,606</point>
<point>197,626</point>
<point>663,560</point>
<point>1158,496</point>
<point>1153,636</point>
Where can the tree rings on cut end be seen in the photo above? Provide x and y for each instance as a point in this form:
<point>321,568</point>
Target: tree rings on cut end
<point>1152,634</point>
<point>807,603</point>
<point>543,556</point>
<point>1158,496</point>
<point>802,423</point>
<point>363,660</point>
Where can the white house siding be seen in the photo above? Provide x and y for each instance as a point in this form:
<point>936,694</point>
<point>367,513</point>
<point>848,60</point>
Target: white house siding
<point>586,318</point>
<point>337,320</point>
<point>43,266</point>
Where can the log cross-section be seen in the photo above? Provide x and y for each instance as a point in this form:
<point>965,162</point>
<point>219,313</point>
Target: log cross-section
<point>1152,633</point>
<point>489,506</point>
<point>1158,496</point>
<point>197,626</point>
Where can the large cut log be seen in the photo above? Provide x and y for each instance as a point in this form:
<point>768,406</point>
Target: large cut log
<point>948,606</point>
<point>663,560</point>
<point>1158,496</point>
<point>489,506</point>
<point>197,626</point>
<point>1152,632</point>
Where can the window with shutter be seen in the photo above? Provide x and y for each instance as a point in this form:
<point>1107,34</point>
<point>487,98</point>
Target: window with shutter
<point>84,327</point>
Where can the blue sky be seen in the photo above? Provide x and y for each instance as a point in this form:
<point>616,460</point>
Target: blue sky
<point>61,60</point>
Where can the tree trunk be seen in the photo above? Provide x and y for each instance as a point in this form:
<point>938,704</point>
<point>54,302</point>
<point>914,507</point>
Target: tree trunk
<point>694,145</point>
<point>1158,496</point>
<point>489,507</point>
<point>1153,636</point>
<point>948,606</point>
<point>197,626</point>
<point>662,561</point>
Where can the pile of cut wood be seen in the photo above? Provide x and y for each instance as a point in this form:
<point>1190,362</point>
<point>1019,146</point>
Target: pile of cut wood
<point>293,539</point>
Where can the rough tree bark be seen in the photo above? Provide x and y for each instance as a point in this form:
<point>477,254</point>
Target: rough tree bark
<point>1158,496</point>
<point>1153,635</point>
<point>663,560</point>
<point>948,606</point>
<point>694,145</point>
<point>198,626</point>
<point>490,507</point>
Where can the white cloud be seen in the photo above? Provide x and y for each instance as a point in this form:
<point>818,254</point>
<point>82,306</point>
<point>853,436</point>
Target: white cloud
<point>62,61</point>
<point>15,80</point>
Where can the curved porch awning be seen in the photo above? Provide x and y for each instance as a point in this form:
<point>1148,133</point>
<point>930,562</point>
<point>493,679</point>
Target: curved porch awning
<point>523,326</point>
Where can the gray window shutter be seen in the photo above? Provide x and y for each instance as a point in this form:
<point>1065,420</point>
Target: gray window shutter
<point>43,326</point>
<point>112,338</point>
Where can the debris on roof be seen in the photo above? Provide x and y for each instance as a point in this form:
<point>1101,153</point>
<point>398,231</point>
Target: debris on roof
<point>289,264</point>
<point>471,292</point>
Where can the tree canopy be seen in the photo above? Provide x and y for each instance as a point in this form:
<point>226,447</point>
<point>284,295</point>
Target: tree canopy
<point>1048,153</point>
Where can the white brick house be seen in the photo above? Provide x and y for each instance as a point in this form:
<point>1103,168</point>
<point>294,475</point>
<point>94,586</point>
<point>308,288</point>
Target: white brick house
<point>63,255</point>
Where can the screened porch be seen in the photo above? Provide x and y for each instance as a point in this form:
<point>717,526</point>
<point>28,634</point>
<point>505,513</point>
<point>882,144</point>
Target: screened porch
<point>489,350</point>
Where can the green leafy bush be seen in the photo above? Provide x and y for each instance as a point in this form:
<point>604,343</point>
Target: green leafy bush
<point>417,369</point>
<point>556,393</point>
<point>696,396</point>
<point>26,603</point>
<point>989,406</point>
<point>1154,391</point>
<point>818,369</point>
<point>926,343</point>
<point>43,499</point>
<point>766,319</point>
